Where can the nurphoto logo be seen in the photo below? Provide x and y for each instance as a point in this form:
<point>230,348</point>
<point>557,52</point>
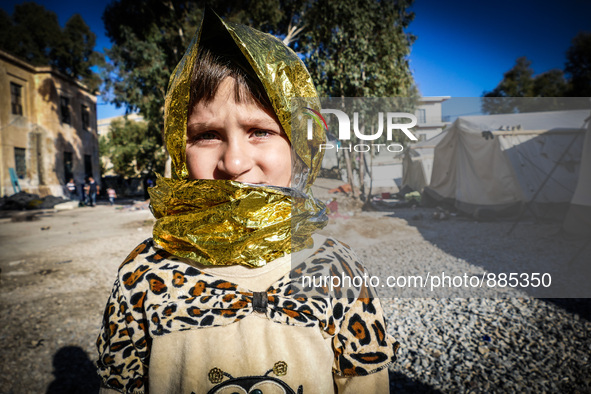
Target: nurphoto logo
<point>393,123</point>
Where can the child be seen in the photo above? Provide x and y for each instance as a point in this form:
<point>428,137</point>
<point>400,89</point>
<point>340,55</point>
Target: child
<point>112,195</point>
<point>71,186</point>
<point>212,304</point>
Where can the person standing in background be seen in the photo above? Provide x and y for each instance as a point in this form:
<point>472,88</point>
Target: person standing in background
<point>112,195</point>
<point>93,190</point>
<point>71,186</point>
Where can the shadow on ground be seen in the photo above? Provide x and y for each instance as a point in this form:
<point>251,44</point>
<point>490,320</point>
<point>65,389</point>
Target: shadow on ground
<point>74,372</point>
<point>533,247</point>
<point>400,383</point>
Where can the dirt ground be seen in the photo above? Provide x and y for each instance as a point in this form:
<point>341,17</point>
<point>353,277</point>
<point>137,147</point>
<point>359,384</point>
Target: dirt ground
<point>55,278</point>
<point>56,274</point>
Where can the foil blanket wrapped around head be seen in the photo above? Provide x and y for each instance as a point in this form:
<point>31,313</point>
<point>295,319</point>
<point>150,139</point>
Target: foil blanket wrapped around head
<point>223,222</point>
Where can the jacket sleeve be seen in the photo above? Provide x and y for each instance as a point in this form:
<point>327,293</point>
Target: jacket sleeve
<point>363,349</point>
<point>378,382</point>
<point>122,346</point>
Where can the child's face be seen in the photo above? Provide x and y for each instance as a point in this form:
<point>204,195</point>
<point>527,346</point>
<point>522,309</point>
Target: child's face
<point>236,141</point>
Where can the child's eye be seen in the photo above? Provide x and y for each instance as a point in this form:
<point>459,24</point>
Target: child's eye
<point>205,136</point>
<point>261,133</point>
<point>208,135</point>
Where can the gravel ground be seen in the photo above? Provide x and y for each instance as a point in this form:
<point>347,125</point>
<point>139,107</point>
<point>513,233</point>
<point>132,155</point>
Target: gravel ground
<point>493,341</point>
<point>54,284</point>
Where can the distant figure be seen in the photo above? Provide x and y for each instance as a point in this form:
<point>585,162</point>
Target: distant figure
<point>82,188</point>
<point>149,184</point>
<point>93,190</point>
<point>71,186</point>
<point>112,195</point>
<point>333,206</point>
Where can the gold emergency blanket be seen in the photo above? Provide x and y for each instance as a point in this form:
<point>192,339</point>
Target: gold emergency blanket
<point>219,222</point>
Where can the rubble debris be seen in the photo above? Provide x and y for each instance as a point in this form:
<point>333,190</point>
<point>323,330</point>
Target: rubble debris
<point>24,217</point>
<point>23,200</point>
<point>413,197</point>
<point>441,214</point>
<point>344,188</point>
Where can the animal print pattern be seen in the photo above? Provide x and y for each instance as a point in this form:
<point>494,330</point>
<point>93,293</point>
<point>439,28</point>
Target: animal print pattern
<point>156,294</point>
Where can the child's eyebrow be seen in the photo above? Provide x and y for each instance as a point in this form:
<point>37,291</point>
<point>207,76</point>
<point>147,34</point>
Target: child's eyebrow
<point>199,125</point>
<point>249,121</point>
<point>260,120</point>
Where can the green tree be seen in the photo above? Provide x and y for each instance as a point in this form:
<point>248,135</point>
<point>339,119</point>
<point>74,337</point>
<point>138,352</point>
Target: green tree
<point>520,82</point>
<point>574,81</point>
<point>360,49</point>
<point>550,84</point>
<point>74,54</point>
<point>33,34</point>
<point>578,66</point>
<point>129,151</point>
<point>517,82</point>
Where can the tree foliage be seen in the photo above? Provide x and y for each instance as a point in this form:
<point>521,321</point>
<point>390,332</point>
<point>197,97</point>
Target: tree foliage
<point>359,48</point>
<point>578,66</point>
<point>352,48</point>
<point>34,34</point>
<point>519,81</point>
<point>129,151</point>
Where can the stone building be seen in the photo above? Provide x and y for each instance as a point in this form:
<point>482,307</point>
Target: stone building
<point>48,129</point>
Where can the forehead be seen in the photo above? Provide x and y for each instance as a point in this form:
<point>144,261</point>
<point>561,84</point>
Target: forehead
<point>213,114</point>
<point>227,103</point>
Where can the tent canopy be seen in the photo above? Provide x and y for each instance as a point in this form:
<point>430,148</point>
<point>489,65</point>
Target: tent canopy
<point>499,162</point>
<point>417,164</point>
<point>578,217</point>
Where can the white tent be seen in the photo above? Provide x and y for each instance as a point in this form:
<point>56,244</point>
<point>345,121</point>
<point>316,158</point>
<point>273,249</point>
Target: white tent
<point>500,162</point>
<point>417,164</point>
<point>578,217</point>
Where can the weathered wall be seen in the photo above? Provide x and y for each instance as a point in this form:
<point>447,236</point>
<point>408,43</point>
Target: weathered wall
<point>40,130</point>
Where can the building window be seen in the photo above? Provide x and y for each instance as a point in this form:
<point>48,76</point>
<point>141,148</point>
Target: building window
<point>422,116</point>
<point>65,109</point>
<point>68,166</point>
<point>16,98</point>
<point>87,165</point>
<point>20,162</point>
<point>85,118</point>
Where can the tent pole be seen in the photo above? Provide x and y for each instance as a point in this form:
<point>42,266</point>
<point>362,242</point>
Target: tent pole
<point>558,162</point>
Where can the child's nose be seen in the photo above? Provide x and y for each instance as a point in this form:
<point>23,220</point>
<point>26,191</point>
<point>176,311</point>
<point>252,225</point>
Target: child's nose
<point>236,160</point>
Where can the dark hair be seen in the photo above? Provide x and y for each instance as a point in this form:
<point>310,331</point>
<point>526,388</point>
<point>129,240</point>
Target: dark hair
<point>211,69</point>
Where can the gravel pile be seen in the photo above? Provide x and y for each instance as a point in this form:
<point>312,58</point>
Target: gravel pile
<point>490,345</point>
<point>492,341</point>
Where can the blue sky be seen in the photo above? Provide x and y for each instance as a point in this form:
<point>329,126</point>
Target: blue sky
<point>462,47</point>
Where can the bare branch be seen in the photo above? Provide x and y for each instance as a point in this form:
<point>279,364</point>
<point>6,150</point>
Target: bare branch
<point>292,33</point>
